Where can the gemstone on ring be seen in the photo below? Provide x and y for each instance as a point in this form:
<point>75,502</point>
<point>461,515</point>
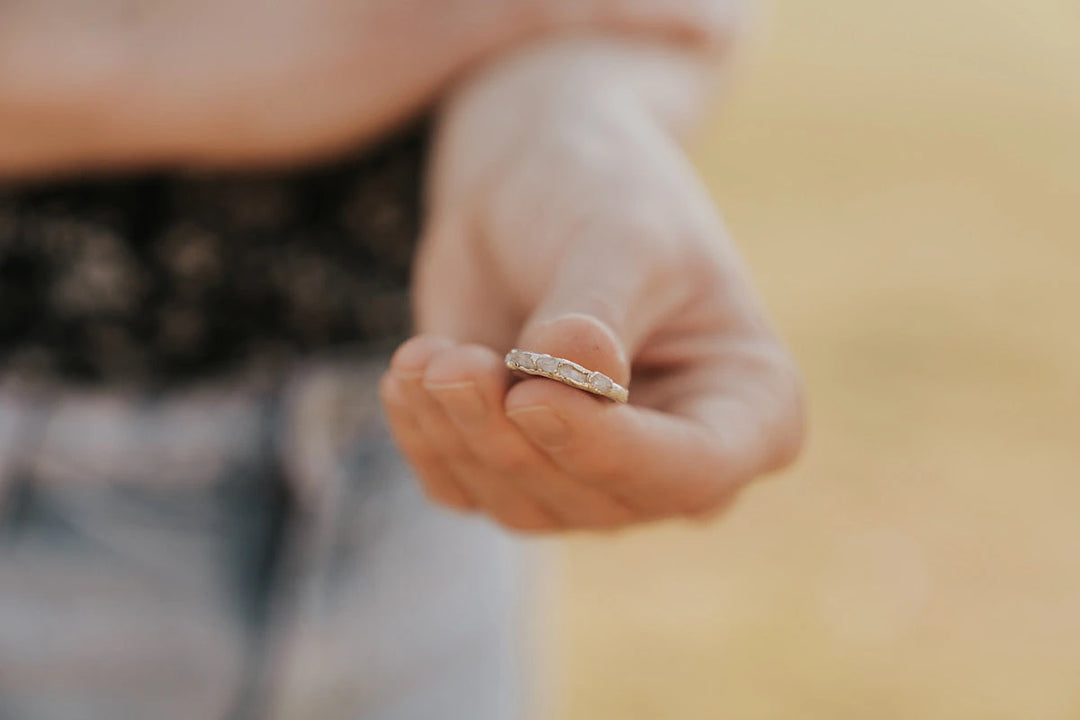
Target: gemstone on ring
<point>571,373</point>
<point>601,383</point>
<point>548,364</point>
<point>522,359</point>
<point>566,372</point>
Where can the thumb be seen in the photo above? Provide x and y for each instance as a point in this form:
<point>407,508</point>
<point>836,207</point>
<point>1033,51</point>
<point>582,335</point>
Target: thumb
<point>594,314</point>
<point>581,337</point>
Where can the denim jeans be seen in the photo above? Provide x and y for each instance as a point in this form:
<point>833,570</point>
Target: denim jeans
<point>240,549</point>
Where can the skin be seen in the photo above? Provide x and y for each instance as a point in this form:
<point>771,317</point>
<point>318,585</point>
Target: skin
<point>563,217</point>
<point>236,82</point>
<point>131,83</point>
<point>566,219</point>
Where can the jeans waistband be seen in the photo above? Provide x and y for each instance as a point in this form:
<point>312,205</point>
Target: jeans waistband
<point>185,436</point>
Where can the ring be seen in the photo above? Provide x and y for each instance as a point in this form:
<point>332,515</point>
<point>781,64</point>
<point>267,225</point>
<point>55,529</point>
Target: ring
<point>566,372</point>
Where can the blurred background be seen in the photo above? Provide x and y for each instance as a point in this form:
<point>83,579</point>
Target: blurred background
<point>904,178</point>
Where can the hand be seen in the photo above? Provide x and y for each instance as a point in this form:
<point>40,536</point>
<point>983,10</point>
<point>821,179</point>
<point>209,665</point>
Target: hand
<point>565,219</point>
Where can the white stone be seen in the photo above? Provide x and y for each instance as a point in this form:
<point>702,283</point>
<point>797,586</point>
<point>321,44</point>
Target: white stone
<point>548,364</point>
<point>573,374</point>
<point>523,360</point>
<point>601,382</point>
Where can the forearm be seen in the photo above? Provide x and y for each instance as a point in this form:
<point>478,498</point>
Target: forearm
<point>177,82</point>
<point>236,82</point>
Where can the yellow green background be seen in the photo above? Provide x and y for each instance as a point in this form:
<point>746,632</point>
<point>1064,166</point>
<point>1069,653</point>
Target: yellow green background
<point>904,179</point>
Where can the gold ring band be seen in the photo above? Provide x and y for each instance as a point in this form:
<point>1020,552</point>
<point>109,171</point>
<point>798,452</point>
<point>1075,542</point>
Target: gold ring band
<point>567,372</point>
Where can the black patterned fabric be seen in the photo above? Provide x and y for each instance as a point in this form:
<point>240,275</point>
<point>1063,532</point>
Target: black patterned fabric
<point>159,279</point>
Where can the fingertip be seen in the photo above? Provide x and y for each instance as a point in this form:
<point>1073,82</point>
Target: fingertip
<point>389,388</point>
<point>459,364</point>
<point>411,359</point>
<point>468,381</point>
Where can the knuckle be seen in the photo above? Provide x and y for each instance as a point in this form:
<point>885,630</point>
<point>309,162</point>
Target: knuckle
<point>778,402</point>
<point>679,253</point>
<point>790,427</point>
<point>648,228</point>
<point>414,354</point>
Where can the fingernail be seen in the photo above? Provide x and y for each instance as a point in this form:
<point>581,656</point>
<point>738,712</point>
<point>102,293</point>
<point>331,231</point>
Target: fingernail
<point>541,425</point>
<point>461,400</point>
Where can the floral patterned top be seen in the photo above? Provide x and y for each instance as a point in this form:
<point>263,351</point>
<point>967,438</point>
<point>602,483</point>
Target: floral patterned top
<point>158,279</point>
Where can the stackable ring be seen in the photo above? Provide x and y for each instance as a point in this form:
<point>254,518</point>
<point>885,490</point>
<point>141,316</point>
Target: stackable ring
<point>567,372</point>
